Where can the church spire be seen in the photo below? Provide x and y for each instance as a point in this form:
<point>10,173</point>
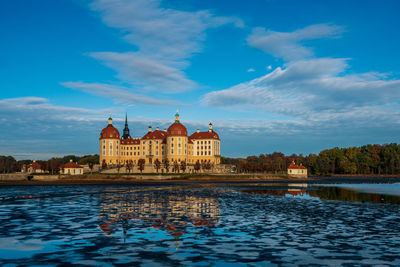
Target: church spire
<point>126,129</point>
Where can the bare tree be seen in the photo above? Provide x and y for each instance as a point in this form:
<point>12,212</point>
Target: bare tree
<point>197,166</point>
<point>104,164</point>
<point>166,165</point>
<point>183,166</point>
<point>91,165</point>
<point>157,164</point>
<point>141,163</point>
<point>176,166</point>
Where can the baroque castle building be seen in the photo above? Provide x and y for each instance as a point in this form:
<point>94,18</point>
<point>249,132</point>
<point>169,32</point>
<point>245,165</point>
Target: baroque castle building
<point>173,144</point>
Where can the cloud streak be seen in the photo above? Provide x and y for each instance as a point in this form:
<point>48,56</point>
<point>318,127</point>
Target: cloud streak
<point>311,89</point>
<point>119,93</point>
<point>287,45</point>
<point>166,38</point>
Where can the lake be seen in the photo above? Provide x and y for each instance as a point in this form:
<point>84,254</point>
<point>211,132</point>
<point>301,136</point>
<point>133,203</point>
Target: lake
<point>254,224</point>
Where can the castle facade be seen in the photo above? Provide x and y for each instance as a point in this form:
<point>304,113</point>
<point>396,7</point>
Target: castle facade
<point>173,144</point>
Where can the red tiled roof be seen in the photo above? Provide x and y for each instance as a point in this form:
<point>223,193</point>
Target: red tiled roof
<point>34,165</point>
<point>130,141</point>
<point>177,129</point>
<point>110,132</point>
<point>295,166</point>
<point>71,165</point>
<point>204,135</point>
<point>157,134</point>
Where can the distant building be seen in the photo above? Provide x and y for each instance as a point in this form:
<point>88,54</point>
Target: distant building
<point>173,144</point>
<point>72,168</point>
<point>295,170</point>
<point>33,167</point>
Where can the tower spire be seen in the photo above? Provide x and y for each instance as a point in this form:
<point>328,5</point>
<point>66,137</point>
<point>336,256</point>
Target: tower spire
<point>126,129</point>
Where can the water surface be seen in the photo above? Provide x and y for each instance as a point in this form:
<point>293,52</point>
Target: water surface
<point>207,225</point>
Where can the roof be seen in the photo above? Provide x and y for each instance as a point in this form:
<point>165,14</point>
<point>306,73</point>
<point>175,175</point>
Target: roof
<point>130,141</point>
<point>177,129</point>
<point>70,165</point>
<point>293,165</point>
<point>109,132</point>
<point>34,165</point>
<point>157,134</point>
<point>204,135</point>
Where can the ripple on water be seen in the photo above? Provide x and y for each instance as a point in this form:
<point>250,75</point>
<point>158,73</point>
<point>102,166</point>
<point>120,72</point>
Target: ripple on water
<point>218,225</point>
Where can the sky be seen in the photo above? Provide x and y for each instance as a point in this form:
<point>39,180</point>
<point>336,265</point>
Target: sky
<point>271,75</point>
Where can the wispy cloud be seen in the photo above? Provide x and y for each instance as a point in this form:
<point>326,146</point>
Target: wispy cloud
<point>251,70</point>
<point>165,39</point>
<point>288,45</point>
<point>316,90</point>
<point>119,93</point>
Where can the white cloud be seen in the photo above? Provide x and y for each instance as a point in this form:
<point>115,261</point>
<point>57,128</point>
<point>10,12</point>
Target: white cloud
<point>166,38</point>
<point>269,67</point>
<point>287,45</point>
<point>316,90</point>
<point>119,93</point>
<point>251,70</point>
<point>146,73</point>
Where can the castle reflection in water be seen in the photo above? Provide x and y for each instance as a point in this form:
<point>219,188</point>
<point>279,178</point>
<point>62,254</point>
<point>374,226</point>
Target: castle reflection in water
<point>171,211</point>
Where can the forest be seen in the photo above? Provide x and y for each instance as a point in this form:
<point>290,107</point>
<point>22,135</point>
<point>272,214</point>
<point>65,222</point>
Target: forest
<point>367,159</point>
<point>9,164</point>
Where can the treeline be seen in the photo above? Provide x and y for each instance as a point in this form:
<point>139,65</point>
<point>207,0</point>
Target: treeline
<point>9,164</point>
<point>368,159</point>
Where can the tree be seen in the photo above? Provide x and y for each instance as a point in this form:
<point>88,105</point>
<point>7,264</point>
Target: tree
<point>166,165</point>
<point>43,165</point>
<point>176,167</point>
<point>157,164</point>
<point>183,166</point>
<point>141,163</point>
<point>197,166</point>
<point>91,165</point>
<point>54,164</point>
<point>129,165</point>
<point>104,164</point>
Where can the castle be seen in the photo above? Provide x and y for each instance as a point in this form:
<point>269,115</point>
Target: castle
<point>173,144</point>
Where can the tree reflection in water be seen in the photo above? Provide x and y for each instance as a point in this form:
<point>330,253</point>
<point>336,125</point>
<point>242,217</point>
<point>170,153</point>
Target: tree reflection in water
<point>326,193</point>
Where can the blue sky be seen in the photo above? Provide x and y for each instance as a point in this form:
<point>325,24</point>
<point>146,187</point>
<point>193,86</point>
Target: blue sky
<point>289,76</point>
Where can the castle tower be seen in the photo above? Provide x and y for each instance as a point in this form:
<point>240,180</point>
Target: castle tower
<point>109,144</point>
<point>177,141</point>
<point>126,129</point>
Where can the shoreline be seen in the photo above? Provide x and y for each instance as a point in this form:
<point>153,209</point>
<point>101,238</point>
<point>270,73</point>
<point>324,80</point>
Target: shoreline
<point>145,181</point>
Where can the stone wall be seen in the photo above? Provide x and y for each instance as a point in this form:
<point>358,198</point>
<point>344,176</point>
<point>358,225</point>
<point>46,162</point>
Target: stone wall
<point>13,176</point>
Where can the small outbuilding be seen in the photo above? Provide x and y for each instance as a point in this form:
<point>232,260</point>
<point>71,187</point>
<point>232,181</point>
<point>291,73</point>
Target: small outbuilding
<point>33,167</point>
<point>72,168</point>
<point>298,171</point>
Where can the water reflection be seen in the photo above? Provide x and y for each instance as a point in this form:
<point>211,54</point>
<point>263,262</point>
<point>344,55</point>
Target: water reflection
<point>169,211</point>
<point>326,193</point>
<point>249,225</point>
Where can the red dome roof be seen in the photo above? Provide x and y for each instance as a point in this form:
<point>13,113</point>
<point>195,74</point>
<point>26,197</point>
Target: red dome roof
<point>205,135</point>
<point>177,129</point>
<point>110,132</point>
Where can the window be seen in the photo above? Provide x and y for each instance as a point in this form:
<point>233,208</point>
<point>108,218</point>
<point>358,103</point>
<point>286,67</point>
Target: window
<point>172,151</point>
